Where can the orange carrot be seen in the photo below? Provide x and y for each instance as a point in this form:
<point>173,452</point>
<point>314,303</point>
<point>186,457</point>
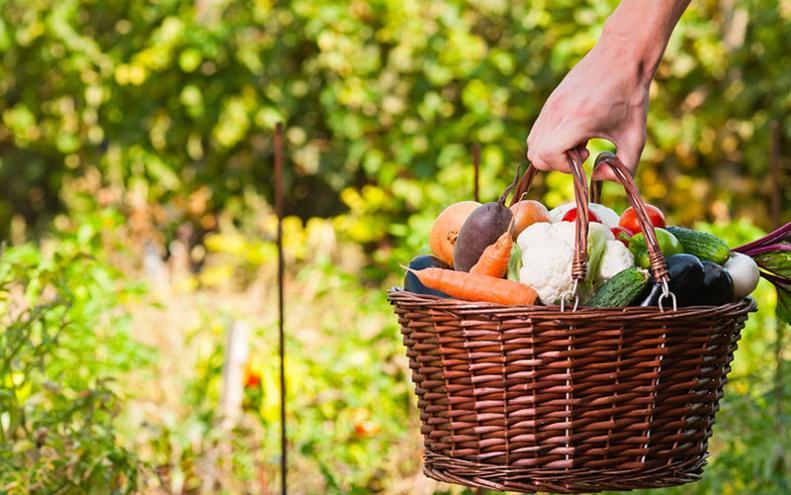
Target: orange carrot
<point>475,287</point>
<point>494,259</point>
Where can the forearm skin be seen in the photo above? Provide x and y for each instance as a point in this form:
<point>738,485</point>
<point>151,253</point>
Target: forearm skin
<point>638,31</point>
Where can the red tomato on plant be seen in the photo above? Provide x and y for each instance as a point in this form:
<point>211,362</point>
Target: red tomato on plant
<point>367,428</point>
<point>252,378</point>
<point>251,381</point>
<point>617,231</point>
<point>629,218</point>
<point>571,216</point>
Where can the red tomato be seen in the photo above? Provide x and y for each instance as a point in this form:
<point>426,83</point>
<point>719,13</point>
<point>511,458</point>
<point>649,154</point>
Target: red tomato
<point>617,231</point>
<point>629,218</point>
<point>571,216</point>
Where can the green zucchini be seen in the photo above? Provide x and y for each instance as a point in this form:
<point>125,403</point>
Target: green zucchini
<point>705,246</point>
<point>623,288</point>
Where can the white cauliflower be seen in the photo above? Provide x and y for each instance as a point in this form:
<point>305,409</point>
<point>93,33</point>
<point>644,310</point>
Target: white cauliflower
<point>616,258</point>
<point>547,254</point>
<point>607,216</point>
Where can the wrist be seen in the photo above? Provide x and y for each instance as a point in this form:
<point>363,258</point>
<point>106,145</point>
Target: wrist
<point>634,65</point>
<point>637,33</point>
<point>637,55</point>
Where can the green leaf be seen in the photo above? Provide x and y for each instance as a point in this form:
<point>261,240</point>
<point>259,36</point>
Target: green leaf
<point>777,262</point>
<point>515,263</point>
<point>783,309</point>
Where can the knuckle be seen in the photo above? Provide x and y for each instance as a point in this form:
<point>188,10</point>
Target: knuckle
<point>546,155</point>
<point>531,155</point>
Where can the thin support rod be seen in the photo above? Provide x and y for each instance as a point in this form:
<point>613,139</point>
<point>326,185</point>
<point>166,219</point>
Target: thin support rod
<point>777,175</point>
<point>476,166</point>
<point>280,321</point>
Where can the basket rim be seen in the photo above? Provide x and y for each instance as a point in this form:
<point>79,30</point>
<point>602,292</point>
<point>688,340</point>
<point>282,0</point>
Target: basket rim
<point>399,295</point>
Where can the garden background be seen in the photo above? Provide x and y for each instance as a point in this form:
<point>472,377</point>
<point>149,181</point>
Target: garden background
<point>135,192</point>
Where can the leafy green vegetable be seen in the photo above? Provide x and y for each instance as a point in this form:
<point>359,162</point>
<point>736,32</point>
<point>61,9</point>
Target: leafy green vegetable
<point>515,263</point>
<point>784,301</point>
<point>597,244</point>
<point>772,253</point>
<point>777,262</point>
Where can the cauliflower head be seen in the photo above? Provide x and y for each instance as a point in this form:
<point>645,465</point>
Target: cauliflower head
<point>616,258</point>
<point>547,254</point>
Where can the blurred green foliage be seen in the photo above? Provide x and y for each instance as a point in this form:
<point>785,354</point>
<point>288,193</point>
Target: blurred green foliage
<point>62,343</point>
<point>146,116</point>
<point>166,97</point>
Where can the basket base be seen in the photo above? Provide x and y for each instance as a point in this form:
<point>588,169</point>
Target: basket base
<point>575,480</point>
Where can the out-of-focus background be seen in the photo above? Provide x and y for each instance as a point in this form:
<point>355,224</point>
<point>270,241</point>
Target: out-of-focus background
<point>135,205</point>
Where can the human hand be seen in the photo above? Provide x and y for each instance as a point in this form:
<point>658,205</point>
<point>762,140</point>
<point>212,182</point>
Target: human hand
<point>603,96</point>
<point>606,94</point>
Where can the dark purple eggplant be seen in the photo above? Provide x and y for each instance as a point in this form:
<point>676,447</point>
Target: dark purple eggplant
<point>717,286</point>
<point>411,282</point>
<point>686,279</point>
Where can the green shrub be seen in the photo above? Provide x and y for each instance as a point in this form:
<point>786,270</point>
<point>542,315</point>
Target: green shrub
<point>62,340</point>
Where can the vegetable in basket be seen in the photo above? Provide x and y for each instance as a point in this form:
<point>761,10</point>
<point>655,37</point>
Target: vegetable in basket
<point>597,213</point>
<point>705,246</point>
<point>526,213</point>
<point>772,253</point>
<point>413,284</point>
<point>686,278</point>
<point>445,229</point>
<point>621,289</point>
<point>616,258</point>
<point>629,220</point>
<point>668,244</point>
<point>717,286</point>
<point>515,263</point>
<point>622,234</point>
<point>547,254</point>
<point>495,258</point>
<point>484,225</point>
<point>474,287</point>
<point>744,272</point>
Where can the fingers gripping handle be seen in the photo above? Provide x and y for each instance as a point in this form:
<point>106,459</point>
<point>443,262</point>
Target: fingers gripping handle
<point>581,195</point>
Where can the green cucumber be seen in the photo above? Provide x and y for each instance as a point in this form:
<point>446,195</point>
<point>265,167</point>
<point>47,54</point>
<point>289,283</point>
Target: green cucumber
<point>705,246</point>
<point>623,288</point>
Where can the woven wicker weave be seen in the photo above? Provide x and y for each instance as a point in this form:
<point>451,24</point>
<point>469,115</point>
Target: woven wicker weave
<point>532,398</point>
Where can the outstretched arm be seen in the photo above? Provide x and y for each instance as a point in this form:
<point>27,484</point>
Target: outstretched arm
<point>606,94</point>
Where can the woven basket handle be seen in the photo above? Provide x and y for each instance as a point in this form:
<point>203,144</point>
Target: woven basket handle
<point>655,256</point>
<point>579,265</point>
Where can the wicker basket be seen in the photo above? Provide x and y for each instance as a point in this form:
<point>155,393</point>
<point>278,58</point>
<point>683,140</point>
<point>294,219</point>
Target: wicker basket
<point>542,398</point>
